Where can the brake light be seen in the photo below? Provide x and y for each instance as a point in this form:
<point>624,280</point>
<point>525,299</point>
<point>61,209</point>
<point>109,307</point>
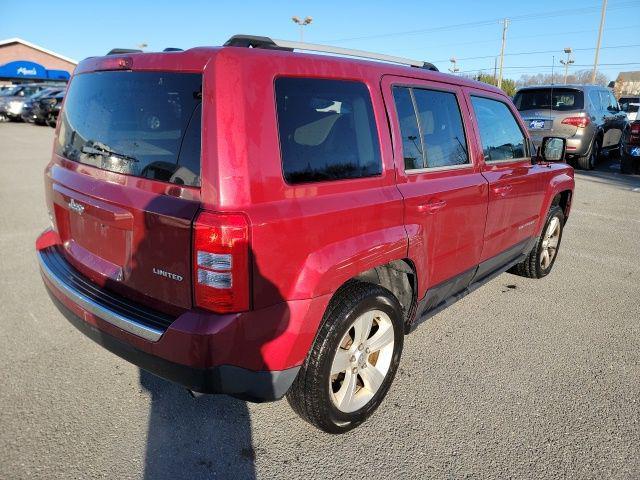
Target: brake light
<point>577,121</point>
<point>635,128</point>
<point>115,63</point>
<point>221,262</point>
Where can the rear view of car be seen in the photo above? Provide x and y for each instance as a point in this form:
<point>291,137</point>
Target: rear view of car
<point>31,104</point>
<point>587,116</point>
<point>631,109</point>
<point>630,160</point>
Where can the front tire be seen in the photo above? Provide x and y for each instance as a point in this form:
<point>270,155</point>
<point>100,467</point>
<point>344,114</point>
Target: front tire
<point>540,260</point>
<point>353,360</point>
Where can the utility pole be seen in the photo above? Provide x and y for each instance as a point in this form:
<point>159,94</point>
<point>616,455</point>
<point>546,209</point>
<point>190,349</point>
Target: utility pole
<point>495,70</point>
<point>505,25</point>
<point>567,62</point>
<point>595,60</point>
<point>303,23</point>
<point>454,67</point>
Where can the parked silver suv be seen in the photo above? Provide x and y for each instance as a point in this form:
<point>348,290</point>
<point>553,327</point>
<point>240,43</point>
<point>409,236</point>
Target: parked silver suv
<point>588,116</point>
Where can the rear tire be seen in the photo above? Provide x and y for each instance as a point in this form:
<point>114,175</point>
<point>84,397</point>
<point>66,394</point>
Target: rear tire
<point>538,264</point>
<point>589,161</point>
<point>353,360</point>
<point>626,164</point>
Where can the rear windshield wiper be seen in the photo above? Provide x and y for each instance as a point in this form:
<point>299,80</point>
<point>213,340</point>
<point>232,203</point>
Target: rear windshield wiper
<point>104,151</point>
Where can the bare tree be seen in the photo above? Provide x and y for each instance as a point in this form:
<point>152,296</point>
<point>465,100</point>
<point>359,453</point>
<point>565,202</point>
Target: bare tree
<point>581,76</point>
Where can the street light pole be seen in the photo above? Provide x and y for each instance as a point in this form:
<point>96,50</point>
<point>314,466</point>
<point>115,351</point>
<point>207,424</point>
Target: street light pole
<point>567,62</point>
<point>505,25</point>
<point>303,23</point>
<point>595,60</point>
<point>454,67</point>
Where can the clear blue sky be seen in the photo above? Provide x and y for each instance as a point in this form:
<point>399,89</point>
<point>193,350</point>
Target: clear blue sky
<point>427,30</point>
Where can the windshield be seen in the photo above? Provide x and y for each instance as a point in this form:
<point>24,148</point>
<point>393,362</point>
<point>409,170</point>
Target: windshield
<point>145,124</point>
<point>541,98</point>
<point>44,93</point>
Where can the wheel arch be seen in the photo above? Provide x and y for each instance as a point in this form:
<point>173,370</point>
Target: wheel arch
<point>399,277</point>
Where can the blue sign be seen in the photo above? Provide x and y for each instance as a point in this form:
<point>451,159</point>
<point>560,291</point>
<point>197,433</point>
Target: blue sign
<point>30,70</point>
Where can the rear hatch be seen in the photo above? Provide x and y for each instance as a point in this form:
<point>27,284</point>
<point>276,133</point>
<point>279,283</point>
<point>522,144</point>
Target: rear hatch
<point>124,185</point>
<point>544,109</point>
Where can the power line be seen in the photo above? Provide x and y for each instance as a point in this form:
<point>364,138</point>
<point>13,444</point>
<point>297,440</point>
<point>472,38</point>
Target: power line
<point>540,52</point>
<point>518,37</point>
<point>517,18</point>
<point>529,67</point>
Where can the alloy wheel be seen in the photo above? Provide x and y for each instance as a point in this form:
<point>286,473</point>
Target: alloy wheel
<point>362,361</point>
<point>550,243</point>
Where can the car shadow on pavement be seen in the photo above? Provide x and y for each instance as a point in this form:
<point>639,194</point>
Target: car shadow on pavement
<point>604,173</point>
<point>204,437</point>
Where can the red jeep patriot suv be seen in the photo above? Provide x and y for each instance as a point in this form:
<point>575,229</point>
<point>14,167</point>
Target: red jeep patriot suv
<point>260,222</point>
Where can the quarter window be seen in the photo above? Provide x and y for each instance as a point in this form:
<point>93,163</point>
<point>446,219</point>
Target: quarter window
<point>500,134</point>
<point>434,118</point>
<point>327,130</point>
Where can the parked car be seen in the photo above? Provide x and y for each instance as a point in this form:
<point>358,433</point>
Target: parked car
<point>46,109</point>
<point>261,222</point>
<point>12,100</point>
<point>631,109</point>
<point>588,116</point>
<point>626,100</point>
<point>28,114</point>
<point>630,160</point>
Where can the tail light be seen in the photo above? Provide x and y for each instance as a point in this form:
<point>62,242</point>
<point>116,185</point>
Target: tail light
<point>221,262</point>
<point>634,137</point>
<point>577,121</point>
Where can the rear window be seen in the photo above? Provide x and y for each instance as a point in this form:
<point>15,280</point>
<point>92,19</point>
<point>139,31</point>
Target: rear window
<point>327,130</point>
<point>551,99</point>
<point>145,124</point>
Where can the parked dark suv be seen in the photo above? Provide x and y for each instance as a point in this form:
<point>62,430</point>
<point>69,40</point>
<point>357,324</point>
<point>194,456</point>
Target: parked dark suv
<point>588,116</point>
<point>262,222</point>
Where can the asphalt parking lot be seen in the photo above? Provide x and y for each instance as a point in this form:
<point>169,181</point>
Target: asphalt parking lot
<point>521,379</point>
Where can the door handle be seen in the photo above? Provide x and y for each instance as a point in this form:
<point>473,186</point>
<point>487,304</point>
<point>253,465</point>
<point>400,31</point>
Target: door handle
<point>432,206</point>
<point>503,191</point>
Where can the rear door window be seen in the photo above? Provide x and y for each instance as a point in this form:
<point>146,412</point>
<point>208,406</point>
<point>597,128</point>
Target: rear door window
<point>145,124</point>
<point>502,139</point>
<point>431,128</point>
<point>596,100</point>
<point>441,126</point>
<point>327,130</point>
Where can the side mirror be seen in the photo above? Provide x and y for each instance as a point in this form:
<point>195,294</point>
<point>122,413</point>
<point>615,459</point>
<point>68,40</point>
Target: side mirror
<point>552,149</point>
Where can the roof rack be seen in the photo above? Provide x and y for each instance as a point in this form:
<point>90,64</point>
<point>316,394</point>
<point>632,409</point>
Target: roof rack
<point>253,41</point>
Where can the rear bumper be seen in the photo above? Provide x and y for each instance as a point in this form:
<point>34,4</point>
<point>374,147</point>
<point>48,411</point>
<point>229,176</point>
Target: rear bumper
<point>578,145</point>
<point>252,355</point>
<point>254,386</point>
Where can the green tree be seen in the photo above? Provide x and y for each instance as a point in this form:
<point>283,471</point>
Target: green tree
<point>508,85</point>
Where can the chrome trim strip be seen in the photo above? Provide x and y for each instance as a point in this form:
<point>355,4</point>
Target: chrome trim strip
<point>508,160</point>
<point>104,313</point>
<point>440,169</point>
